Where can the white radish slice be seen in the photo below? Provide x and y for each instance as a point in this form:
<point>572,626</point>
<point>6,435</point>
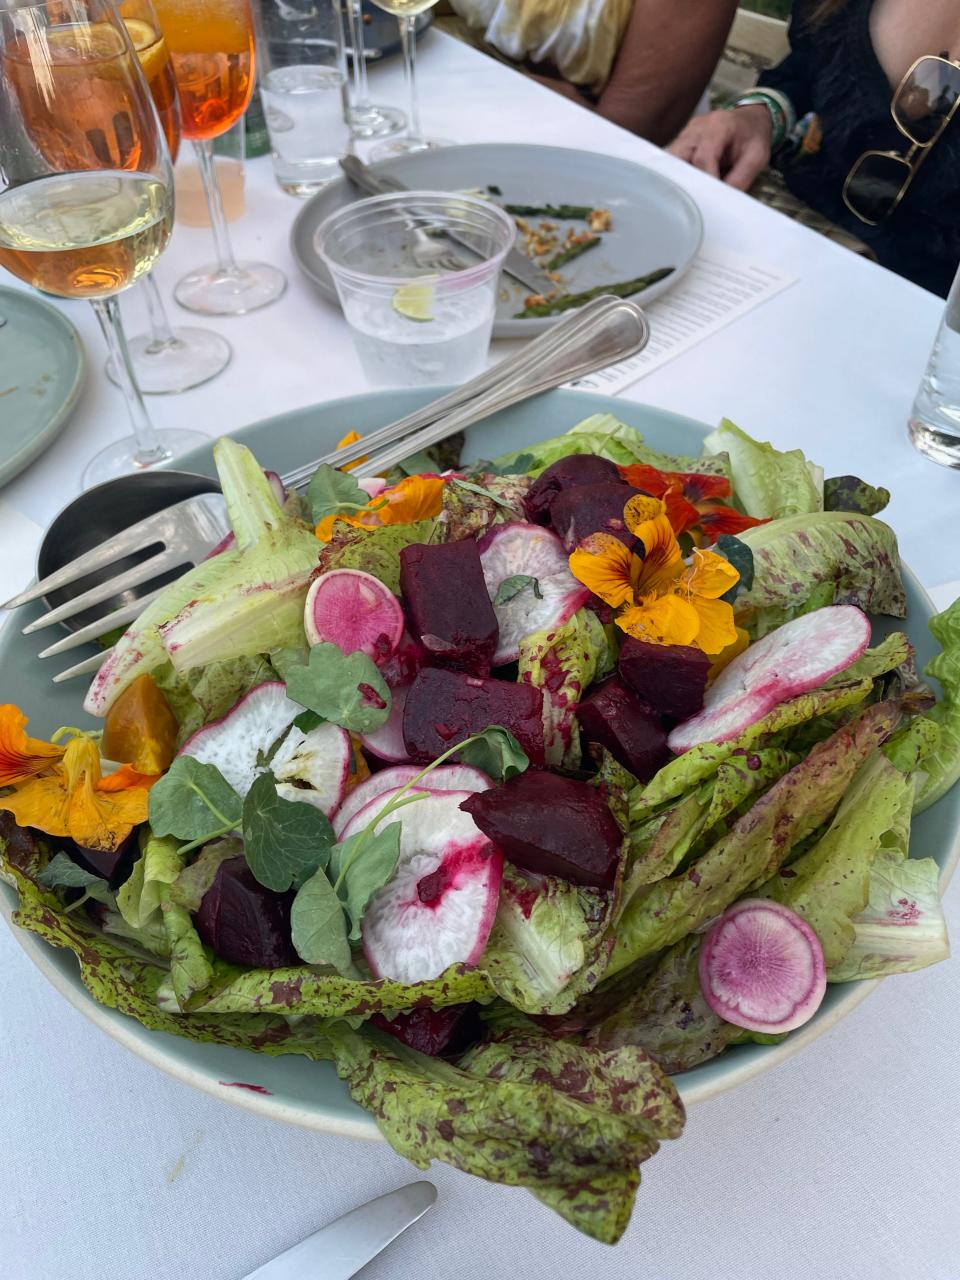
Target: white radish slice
<point>311,767</point>
<point>386,743</point>
<point>509,550</point>
<point>354,610</point>
<point>762,967</point>
<point>439,907</point>
<point>795,658</point>
<point>447,777</point>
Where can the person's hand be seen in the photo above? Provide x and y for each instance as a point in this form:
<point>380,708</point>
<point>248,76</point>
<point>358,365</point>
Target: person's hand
<point>732,145</point>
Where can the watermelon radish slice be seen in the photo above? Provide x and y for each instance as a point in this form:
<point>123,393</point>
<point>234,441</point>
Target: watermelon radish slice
<point>355,611</point>
<point>312,767</point>
<point>795,658</point>
<point>762,967</point>
<point>447,777</point>
<point>386,743</point>
<point>440,906</point>
<point>511,550</point>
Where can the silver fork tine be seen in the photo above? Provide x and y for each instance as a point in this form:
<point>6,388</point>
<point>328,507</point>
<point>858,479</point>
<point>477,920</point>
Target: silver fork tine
<point>140,573</point>
<point>85,668</point>
<point>100,627</point>
<point>136,538</point>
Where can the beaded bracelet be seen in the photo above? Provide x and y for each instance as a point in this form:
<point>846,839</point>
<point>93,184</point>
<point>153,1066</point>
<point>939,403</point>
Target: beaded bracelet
<point>782,114</point>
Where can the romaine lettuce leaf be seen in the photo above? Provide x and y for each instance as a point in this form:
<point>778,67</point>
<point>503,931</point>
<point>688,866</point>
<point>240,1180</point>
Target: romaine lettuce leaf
<point>570,1122</point>
<point>797,556</point>
<point>563,662</point>
<point>766,482</point>
<point>942,765</point>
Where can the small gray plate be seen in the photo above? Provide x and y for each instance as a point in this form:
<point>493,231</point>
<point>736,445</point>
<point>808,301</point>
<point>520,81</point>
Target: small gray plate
<point>41,375</point>
<point>655,223</point>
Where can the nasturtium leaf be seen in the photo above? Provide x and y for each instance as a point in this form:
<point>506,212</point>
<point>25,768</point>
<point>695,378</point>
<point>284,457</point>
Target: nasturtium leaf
<point>366,871</point>
<point>739,555</point>
<point>345,688</point>
<point>194,802</point>
<point>285,841</point>
<point>62,872</point>
<point>330,491</point>
<point>317,924</point>
<point>497,752</point>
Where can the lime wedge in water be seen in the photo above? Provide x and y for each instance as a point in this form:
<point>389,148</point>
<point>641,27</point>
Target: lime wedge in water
<point>415,301</point>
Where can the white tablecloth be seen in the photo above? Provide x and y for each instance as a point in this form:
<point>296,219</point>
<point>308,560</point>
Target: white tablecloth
<point>840,1165</point>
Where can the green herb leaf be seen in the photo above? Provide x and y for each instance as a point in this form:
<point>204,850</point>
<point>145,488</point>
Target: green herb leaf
<point>307,721</point>
<point>63,873</point>
<point>330,491</point>
<point>484,493</point>
<point>285,841</point>
<point>511,587</point>
<point>194,802</point>
<point>345,688</point>
<point>365,872</point>
<point>317,925</point>
<point>739,555</point>
<point>497,752</point>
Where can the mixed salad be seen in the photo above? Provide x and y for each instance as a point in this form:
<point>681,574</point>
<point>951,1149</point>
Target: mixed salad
<point>513,789</point>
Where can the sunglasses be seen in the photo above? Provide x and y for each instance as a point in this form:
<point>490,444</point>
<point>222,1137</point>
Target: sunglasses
<point>926,100</point>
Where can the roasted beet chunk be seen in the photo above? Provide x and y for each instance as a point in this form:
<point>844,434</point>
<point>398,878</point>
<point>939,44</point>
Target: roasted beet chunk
<point>443,707</point>
<point>114,867</point>
<point>551,825</point>
<point>567,473</point>
<point>617,719</point>
<point>433,1031</point>
<point>670,677</point>
<point>448,606</point>
<point>244,922</point>
<point>591,508</point>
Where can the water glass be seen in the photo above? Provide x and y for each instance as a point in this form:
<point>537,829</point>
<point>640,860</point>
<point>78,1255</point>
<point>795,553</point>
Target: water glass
<point>419,305</point>
<point>303,84</point>
<point>935,418</point>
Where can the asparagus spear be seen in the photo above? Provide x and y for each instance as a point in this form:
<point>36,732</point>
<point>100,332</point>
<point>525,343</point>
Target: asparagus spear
<point>622,290</point>
<point>563,212</point>
<point>572,251</point>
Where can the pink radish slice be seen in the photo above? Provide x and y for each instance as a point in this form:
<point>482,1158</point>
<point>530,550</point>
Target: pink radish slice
<point>319,759</point>
<point>386,743</point>
<point>277,485</point>
<point>354,610</point>
<point>447,777</point>
<point>795,658</point>
<point>373,485</point>
<point>439,907</point>
<point>762,967</point>
<point>520,548</point>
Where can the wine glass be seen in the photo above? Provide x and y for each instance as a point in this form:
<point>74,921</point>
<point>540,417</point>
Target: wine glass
<point>165,360</point>
<point>86,188</point>
<point>413,140</point>
<point>211,46</point>
<point>365,118</point>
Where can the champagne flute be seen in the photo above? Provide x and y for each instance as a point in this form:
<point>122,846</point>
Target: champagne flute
<point>365,118</point>
<point>86,188</point>
<point>211,46</point>
<point>413,140</point>
<point>165,360</point>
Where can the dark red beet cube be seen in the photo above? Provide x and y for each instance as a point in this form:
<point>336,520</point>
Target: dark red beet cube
<point>443,707</point>
<point>448,604</point>
<point>431,1031</point>
<point>244,922</point>
<point>113,867</point>
<point>670,677</point>
<point>591,508</point>
<point>567,473</point>
<point>551,825</point>
<point>613,716</point>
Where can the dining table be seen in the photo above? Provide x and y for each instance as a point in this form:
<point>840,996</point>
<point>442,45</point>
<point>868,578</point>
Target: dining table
<point>841,1163</point>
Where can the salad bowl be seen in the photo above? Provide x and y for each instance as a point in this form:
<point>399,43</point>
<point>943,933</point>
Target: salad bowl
<point>294,1089</point>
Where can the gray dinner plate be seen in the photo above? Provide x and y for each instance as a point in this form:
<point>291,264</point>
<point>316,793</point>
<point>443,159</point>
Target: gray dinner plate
<point>655,223</point>
<point>41,376</point>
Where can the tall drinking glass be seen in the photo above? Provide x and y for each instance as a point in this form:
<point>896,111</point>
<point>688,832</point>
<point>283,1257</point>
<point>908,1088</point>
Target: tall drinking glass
<point>365,118</point>
<point>934,425</point>
<point>211,45</point>
<point>165,360</point>
<point>413,140</point>
<point>86,188</point>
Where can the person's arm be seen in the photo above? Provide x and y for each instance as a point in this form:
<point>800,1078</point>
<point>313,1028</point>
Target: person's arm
<point>667,56</point>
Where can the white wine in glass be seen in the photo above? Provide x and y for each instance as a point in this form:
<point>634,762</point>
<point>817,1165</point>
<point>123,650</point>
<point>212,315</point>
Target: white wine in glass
<point>406,12</point>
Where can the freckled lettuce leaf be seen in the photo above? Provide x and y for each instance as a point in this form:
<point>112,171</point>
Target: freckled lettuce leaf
<point>571,1123</point>
<point>797,556</point>
<point>850,493</point>
<point>766,482</point>
<point>604,435</point>
<point>375,551</point>
<point>942,765</point>
<point>206,693</point>
<point>578,651</point>
<point>756,845</point>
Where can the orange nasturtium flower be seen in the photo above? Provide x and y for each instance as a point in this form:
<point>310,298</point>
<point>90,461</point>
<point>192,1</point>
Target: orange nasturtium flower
<point>351,438</point>
<point>75,800</point>
<point>22,757</point>
<point>691,500</point>
<point>414,498</point>
<point>661,598</point>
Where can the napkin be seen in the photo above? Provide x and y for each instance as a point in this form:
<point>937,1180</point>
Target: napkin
<point>19,539</point>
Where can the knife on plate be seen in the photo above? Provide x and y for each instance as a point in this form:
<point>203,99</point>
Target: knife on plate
<point>338,1250</point>
<point>515,264</point>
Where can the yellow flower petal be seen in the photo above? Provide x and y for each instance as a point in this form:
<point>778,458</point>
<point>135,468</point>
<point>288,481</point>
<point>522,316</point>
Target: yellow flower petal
<point>351,438</point>
<point>727,655</point>
<point>608,567</point>
<point>661,620</point>
<point>662,562</point>
<point>22,757</point>
<point>414,498</point>
<point>710,575</point>
<point>639,510</point>
<point>42,803</point>
<point>717,628</point>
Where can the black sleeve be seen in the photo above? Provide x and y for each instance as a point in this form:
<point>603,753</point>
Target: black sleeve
<point>794,74</point>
